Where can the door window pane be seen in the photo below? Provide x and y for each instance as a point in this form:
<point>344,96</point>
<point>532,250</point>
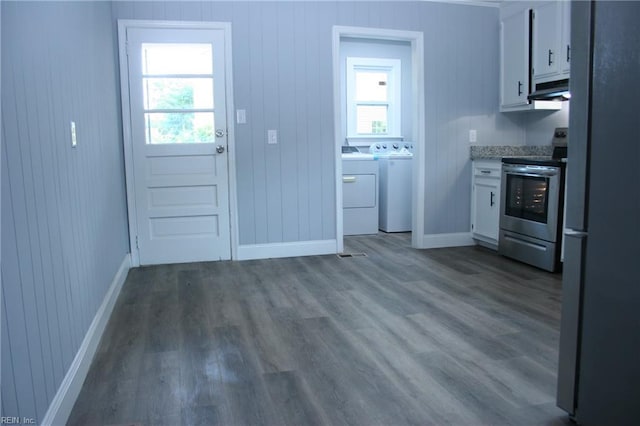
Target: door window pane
<point>371,86</point>
<point>178,93</point>
<point>183,58</point>
<point>371,119</point>
<point>183,127</point>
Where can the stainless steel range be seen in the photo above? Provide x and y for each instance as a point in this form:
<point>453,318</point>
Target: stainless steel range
<point>531,206</point>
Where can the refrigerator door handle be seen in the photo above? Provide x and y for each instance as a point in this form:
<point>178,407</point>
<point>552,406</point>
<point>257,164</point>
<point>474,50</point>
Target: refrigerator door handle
<point>574,233</point>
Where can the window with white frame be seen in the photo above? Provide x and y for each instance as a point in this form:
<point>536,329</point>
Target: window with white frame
<point>373,97</point>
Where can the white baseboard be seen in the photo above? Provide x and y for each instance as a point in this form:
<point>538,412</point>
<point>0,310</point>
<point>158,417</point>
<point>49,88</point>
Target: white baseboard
<point>62,404</point>
<point>486,242</point>
<point>290,249</point>
<point>458,239</point>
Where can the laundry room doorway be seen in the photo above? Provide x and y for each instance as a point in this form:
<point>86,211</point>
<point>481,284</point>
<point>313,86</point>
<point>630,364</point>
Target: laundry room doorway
<point>379,126</point>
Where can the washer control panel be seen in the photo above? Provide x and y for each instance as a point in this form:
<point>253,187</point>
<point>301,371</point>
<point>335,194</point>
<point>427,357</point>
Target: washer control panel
<point>388,148</point>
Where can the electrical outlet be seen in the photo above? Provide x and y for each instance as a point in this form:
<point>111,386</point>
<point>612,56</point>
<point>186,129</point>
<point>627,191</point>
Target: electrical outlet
<point>473,136</point>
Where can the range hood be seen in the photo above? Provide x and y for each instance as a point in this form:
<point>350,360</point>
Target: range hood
<point>551,91</point>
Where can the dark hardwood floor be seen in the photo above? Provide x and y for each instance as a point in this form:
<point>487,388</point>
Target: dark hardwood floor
<point>456,336</point>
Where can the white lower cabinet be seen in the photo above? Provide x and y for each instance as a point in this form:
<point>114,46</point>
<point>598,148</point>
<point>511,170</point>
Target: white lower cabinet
<point>485,201</point>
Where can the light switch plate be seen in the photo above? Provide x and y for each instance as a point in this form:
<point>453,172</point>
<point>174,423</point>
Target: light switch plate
<point>473,136</point>
<point>241,116</point>
<point>272,136</point>
<point>74,140</point>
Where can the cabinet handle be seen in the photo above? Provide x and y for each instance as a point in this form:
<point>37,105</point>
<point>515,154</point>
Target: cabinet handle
<point>491,202</point>
<point>348,179</point>
<point>485,172</point>
<point>519,88</point>
<point>550,55</point>
<point>568,53</point>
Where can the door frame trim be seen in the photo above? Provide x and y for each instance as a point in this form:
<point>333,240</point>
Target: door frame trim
<point>123,25</point>
<point>416,38</point>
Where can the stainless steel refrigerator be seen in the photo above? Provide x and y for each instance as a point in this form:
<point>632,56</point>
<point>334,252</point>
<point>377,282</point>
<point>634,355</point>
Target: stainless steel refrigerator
<point>599,364</point>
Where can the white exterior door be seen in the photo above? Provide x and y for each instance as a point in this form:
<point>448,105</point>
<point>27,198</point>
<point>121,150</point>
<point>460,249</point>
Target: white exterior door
<point>178,122</point>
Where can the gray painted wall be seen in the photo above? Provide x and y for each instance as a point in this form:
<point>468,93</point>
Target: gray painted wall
<point>64,227</point>
<point>535,127</point>
<point>387,49</point>
<point>538,126</point>
<point>283,78</point>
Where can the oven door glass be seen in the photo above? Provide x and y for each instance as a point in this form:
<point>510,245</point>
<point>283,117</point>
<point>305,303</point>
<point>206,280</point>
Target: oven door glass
<point>527,197</point>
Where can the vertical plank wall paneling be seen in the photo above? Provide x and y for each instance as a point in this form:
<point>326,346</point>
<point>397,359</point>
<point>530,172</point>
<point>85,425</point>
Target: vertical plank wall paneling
<point>268,71</point>
<point>253,77</point>
<point>301,165</point>
<point>283,78</point>
<point>286,111</point>
<point>64,228</point>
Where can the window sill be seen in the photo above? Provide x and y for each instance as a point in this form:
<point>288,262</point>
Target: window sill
<point>374,138</point>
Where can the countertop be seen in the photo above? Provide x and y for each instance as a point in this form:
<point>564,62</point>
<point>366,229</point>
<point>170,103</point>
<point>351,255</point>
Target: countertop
<point>490,152</point>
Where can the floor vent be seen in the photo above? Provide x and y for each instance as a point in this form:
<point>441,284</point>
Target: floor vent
<point>344,255</point>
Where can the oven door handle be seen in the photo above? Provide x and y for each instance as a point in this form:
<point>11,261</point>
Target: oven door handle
<point>532,174</point>
<point>525,171</point>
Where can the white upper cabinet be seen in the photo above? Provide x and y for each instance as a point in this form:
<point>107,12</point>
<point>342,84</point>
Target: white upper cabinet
<point>551,41</point>
<point>515,65</point>
<point>514,51</point>
<point>565,68</point>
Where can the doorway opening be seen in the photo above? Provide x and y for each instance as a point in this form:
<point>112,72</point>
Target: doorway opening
<point>390,117</point>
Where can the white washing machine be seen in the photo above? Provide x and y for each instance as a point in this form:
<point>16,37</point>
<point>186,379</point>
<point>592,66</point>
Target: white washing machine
<point>395,174</point>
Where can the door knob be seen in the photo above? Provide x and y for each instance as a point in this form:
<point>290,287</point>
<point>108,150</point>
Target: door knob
<point>220,149</point>
<point>220,133</point>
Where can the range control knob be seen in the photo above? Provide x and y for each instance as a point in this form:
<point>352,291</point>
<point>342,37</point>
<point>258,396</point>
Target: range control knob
<point>378,146</point>
<point>396,146</point>
<point>384,147</point>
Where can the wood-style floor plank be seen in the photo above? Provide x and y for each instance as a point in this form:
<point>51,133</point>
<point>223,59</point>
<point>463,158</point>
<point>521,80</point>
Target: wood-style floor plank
<point>399,336</point>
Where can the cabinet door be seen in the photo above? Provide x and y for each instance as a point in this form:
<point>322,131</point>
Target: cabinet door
<point>547,54</point>
<point>487,208</point>
<point>566,38</point>
<point>514,42</point>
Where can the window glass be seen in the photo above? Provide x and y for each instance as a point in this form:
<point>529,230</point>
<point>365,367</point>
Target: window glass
<point>179,127</point>
<point>371,86</point>
<point>372,119</point>
<point>178,93</point>
<point>373,97</point>
<point>183,58</point>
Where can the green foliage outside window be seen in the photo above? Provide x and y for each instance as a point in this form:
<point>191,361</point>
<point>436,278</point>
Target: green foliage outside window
<point>378,127</point>
<point>177,127</point>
